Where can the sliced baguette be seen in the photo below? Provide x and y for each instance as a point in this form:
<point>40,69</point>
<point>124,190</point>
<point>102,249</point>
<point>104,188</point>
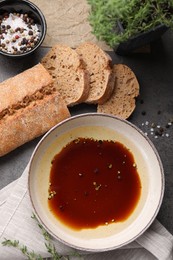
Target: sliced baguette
<point>32,121</point>
<point>122,100</point>
<point>70,79</point>
<point>98,64</point>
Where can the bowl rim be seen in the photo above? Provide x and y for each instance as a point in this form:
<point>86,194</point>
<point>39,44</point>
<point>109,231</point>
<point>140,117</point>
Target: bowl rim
<point>43,25</point>
<point>161,191</point>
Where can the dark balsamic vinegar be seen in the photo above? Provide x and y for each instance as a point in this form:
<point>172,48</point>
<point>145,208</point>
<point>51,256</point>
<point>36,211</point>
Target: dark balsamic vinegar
<point>93,183</point>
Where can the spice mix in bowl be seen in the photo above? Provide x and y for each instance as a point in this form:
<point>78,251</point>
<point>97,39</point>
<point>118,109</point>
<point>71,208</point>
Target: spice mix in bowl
<point>22,28</point>
<point>96,182</point>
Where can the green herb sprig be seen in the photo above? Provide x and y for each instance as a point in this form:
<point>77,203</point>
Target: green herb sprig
<point>31,255</point>
<point>136,16</point>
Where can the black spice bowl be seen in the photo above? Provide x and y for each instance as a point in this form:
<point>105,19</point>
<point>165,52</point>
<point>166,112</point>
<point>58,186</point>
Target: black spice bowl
<point>23,40</point>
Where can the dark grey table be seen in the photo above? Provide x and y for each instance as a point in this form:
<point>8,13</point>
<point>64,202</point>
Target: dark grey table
<point>154,105</point>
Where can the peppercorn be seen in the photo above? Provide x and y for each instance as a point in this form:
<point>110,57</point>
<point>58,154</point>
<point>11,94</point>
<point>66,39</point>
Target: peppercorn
<point>24,41</point>
<point>96,170</point>
<point>30,32</point>
<point>158,133</point>
<point>158,112</point>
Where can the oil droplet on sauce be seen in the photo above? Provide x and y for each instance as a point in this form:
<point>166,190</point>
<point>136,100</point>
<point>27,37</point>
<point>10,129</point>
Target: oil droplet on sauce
<point>93,183</point>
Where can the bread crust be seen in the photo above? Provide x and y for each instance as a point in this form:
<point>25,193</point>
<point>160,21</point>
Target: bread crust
<point>31,122</point>
<point>13,90</point>
<point>122,101</point>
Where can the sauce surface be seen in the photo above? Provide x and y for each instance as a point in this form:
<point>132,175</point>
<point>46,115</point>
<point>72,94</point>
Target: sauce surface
<point>93,183</point>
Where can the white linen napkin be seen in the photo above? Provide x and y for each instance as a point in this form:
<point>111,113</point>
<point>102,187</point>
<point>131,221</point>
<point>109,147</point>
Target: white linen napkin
<point>16,224</point>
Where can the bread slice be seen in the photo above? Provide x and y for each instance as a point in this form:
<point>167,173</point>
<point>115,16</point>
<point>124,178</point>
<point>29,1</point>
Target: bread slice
<point>98,64</point>
<point>122,100</point>
<point>66,68</point>
<point>32,121</point>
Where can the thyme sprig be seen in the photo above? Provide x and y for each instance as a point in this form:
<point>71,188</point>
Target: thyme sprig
<point>49,245</point>
<point>31,255</point>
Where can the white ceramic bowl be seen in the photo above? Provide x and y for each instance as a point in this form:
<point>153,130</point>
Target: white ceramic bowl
<point>150,170</point>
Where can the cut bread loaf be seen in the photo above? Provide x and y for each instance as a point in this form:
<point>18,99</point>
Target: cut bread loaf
<point>66,68</point>
<point>30,122</point>
<point>98,64</point>
<point>29,106</point>
<point>122,100</point>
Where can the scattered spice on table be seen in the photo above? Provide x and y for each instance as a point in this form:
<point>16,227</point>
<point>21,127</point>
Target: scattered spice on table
<point>157,130</point>
<point>18,33</point>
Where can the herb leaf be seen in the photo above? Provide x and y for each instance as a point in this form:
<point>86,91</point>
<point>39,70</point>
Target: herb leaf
<point>136,16</point>
<point>31,255</point>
